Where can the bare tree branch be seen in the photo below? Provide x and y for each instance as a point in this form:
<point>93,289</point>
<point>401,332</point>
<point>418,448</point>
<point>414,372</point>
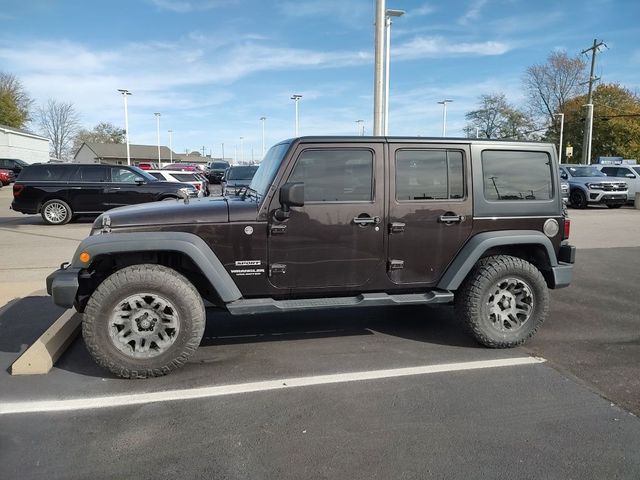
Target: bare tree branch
<point>59,121</point>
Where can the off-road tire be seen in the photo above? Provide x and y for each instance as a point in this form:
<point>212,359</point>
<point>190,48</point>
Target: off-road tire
<point>578,199</point>
<point>472,300</point>
<point>156,279</point>
<point>59,205</point>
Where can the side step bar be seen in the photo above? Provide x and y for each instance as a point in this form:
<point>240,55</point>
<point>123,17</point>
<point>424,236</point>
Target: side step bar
<point>266,305</point>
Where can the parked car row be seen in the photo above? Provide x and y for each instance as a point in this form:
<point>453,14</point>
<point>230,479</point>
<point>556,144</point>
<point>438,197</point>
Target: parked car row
<point>60,192</point>
<point>198,180</point>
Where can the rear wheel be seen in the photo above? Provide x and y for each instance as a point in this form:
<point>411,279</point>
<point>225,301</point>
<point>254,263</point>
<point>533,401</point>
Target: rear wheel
<point>56,212</point>
<point>578,199</point>
<point>143,321</point>
<point>503,301</point>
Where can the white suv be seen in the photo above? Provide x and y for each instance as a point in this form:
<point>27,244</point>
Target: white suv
<point>631,174</point>
<point>180,176</point>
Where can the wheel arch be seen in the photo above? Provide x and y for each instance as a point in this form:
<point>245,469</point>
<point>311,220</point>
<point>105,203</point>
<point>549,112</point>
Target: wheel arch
<point>184,252</point>
<point>532,246</point>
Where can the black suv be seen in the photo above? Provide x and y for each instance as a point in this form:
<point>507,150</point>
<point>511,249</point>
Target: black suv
<point>215,170</point>
<point>60,191</point>
<point>13,164</point>
<point>330,222</point>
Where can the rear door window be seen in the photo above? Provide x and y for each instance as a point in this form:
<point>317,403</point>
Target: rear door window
<point>184,177</point>
<point>510,175</point>
<point>429,175</point>
<point>90,173</point>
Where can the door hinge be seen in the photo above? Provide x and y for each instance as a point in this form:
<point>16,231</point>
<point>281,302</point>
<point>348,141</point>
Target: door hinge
<point>396,264</point>
<point>277,228</point>
<point>396,227</point>
<point>277,268</point>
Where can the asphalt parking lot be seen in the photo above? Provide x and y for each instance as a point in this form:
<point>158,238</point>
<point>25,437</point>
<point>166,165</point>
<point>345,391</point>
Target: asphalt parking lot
<point>266,396</point>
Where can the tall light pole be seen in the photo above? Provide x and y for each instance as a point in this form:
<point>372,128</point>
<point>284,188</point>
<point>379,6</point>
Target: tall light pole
<point>241,150</point>
<point>360,127</point>
<point>296,98</point>
<point>222,151</point>
<point>378,80</point>
<point>158,132</point>
<point>444,116</point>
<point>125,93</point>
<point>561,115</point>
<point>387,63</point>
<point>170,146</point>
<point>263,119</point>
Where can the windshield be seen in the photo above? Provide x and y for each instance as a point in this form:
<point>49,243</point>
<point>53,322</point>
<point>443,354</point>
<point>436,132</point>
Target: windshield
<point>220,165</point>
<point>143,174</point>
<point>241,173</point>
<point>268,168</point>
<point>585,172</point>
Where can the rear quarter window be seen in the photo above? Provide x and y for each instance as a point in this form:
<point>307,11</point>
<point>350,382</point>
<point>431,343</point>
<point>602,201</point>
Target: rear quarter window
<point>44,173</point>
<point>185,177</point>
<point>510,175</point>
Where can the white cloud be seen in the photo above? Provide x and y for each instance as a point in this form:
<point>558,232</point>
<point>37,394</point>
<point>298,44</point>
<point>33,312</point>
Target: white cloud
<point>473,12</point>
<point>423,47</point>
<point>424,9</point>
<point>185,6</point>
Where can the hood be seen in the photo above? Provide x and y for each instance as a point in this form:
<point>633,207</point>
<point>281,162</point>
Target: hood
<point>167,212</point>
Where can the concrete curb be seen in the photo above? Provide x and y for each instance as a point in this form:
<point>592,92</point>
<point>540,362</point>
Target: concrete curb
<point>40,357</point>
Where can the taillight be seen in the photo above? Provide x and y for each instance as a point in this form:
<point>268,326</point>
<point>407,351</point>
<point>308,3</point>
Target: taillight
<point>567,228</point>
<point>17,189</point>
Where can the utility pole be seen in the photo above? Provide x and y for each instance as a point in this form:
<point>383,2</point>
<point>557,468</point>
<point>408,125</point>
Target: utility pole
<point>588,122</point>
<point>203,150</point>
<point>561,115</point>
<point>378,80</point>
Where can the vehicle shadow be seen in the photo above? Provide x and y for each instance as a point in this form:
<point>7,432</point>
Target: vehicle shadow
<point>436,325</point>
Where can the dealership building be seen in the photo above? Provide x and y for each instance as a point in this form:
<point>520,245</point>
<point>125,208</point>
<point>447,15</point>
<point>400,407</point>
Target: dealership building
<point>20,144</point>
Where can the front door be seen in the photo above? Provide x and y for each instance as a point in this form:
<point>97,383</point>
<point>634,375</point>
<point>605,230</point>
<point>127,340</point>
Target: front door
<point>430,210</point>
<point>123,190</point>
<point>337,237</point>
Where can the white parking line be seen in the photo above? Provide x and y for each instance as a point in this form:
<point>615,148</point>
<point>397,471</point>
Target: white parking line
<point>45,406</point>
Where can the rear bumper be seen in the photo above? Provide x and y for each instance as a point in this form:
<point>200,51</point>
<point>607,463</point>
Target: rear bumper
<point>62,285</point>
<point>16,207</point>
<point>563,273</point>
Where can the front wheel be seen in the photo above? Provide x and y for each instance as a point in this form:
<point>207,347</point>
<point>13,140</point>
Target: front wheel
<point>503,301</point>
<point>578,199</point>
<point>143,321</point>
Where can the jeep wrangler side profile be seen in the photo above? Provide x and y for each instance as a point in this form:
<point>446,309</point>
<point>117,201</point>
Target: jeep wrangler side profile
<point>329,222</point>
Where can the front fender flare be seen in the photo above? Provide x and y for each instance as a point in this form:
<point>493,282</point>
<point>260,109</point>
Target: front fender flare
<point>187,243</point>
<point>480,243</point>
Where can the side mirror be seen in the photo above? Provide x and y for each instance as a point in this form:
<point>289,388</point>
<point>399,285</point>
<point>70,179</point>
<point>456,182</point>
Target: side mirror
<point>630,175</point>
<point>139,180</point>
<point>564,176</point>
<point>291,195</point>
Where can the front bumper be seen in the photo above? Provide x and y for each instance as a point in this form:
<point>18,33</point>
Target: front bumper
<point>62,285</point>
<point>607,198</point>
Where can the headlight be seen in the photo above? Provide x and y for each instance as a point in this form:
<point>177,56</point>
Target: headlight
<point>595,186</point>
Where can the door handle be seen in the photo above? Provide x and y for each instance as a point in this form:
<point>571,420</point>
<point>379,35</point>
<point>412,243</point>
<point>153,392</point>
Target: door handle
<point>450,218</point>
<point>111,189</point>
<point>76,188</point>
<point>362,221</point>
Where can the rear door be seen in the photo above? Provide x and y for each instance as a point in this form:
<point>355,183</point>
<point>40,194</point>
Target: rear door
<point>86,188</point>
<point>430,210</point>
<point>336,238</point>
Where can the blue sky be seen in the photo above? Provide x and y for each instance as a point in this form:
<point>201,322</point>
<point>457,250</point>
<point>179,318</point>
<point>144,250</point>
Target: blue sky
<point>214,67</point>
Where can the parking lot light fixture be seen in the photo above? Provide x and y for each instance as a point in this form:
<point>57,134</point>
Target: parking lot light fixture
<point>125,93</point>
<point>444,115</point>
<point>158,137</point>
<point>296,98</point>
<point>387,63</point>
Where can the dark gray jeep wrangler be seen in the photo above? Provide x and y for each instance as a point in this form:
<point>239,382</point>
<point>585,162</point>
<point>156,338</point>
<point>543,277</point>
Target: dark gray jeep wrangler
<point>329,222</point>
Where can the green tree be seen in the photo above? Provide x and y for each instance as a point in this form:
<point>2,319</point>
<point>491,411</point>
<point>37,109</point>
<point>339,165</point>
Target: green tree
<point>616,123</point>
<point>103,132</point>
<point>497,118</point>
<point>15,103</point>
